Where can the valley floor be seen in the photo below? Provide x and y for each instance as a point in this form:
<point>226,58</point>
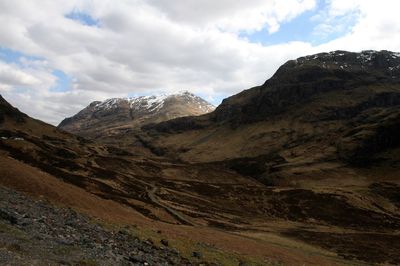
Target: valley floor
<point>35,232</point>
<point>59,229</point>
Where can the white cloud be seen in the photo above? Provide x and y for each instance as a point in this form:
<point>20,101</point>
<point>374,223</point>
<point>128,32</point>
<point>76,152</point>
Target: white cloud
<point>151,46</point>
<point>15,76</point>
<point>342,7</point>
<point>377,27</point>
<point>248,15</point>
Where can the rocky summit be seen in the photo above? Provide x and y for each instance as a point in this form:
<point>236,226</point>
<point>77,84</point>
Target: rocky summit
<point>117,115</point>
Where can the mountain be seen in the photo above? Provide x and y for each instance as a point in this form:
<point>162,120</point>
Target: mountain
<point>115,116</point>
<point>317,113</point>
<point>63,174</point>
<point>303,169</point>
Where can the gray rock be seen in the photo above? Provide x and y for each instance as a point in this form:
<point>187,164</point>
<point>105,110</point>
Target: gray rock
<point>196,254</point>
<point>164,242</point>
<point>4,215</point>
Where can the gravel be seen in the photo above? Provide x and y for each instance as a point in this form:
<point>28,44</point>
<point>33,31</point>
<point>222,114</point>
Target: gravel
<point>33,232</point>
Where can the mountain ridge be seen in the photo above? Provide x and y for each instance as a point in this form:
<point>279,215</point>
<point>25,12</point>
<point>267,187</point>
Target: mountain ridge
<point>308,113</point>
<point>103,118</point>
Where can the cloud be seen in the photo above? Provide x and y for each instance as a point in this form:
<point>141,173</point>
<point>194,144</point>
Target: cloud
<point>377,26</point>
<point>145,47</point>
<point>342,7</point>
<point>11,76</point>
<point>24,76</point>
<point>247,15</point>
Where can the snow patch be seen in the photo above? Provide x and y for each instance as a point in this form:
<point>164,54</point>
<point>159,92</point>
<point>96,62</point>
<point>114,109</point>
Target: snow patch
<point>149,103</point>
<point>108,104</point>
<point>152,103</point>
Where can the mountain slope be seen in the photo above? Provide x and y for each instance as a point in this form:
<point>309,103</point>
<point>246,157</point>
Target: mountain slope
<point>157,199</point>
<point>321,139</point>
<point>326,110</point>
<point>115,116</point>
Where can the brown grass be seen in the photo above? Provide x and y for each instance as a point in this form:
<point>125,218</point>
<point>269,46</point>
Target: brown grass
<point>38,184</point>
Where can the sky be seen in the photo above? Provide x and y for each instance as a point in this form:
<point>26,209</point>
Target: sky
<point>58,56</point>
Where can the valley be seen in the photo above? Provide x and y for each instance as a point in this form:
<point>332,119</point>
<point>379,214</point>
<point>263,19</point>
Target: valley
<point>303,169</point>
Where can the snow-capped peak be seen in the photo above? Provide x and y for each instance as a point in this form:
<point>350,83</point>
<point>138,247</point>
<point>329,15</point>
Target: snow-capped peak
<point>108,104</point>
<point>152,103</point>
<point>367,59</point>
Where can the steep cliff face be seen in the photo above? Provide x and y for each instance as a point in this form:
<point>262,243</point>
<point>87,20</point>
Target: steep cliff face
<point>111,116</point>
<point>299,81</point>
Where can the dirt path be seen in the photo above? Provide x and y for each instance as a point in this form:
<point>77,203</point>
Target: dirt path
<point>153,197</point>
<point>151,193</point>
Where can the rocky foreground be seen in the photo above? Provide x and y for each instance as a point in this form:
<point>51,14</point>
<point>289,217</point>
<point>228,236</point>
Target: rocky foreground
<point>36,233</point>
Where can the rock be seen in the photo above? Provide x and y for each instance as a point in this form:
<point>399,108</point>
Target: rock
<point>64,241</point>
<point>53,242</point>
<point>164,242</point>
<point>196,254</point>
<point>175,251</point>
<point>123,232</point>
<point>135,258</point>
<point>24,222</point>
<point>8,217</point>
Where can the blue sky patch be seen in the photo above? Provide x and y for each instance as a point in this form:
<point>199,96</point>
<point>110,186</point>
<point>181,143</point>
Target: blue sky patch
<point>12,56</point>
<point>63,82</point>
<point>215,100</point>
<point>298,29</point>
<point>312,26</point>
<point>82,18</point>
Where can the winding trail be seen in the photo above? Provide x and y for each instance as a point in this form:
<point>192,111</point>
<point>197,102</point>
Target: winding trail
<point>151,191</point>
<point>153,197</point>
